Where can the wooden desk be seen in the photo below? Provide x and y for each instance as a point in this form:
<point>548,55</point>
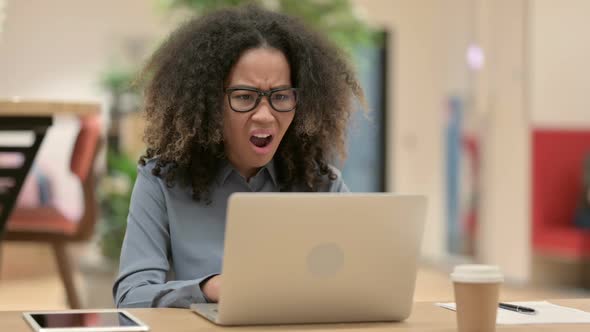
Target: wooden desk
<point>425,317</point>
<point>35,117</point>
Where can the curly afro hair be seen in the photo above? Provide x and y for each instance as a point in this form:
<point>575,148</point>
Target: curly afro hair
<point>184,91</point>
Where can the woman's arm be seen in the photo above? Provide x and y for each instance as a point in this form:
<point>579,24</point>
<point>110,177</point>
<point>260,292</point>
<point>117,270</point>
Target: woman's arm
<point>145,253</point>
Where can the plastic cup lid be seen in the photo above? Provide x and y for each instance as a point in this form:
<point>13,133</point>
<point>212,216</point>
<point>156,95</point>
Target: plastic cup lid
<point>476,273</point>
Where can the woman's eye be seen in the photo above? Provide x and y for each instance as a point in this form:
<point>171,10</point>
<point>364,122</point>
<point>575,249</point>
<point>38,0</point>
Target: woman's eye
<point>281,97</point>
<point>244,97</point>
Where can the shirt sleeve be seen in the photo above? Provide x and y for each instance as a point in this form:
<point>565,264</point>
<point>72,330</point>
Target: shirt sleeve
<point>144,263</point>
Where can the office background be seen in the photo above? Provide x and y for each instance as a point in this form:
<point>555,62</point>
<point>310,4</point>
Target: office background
<point>533,75</point>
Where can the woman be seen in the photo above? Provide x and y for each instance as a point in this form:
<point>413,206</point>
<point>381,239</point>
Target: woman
<point>239,100</point>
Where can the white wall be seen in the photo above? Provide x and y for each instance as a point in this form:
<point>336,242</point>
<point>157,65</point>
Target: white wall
<point>560,63</point>
<point>417,93</point>
<point>504,233</point>
<point>58,48</point>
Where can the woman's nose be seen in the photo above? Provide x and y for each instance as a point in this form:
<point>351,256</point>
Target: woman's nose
<point>263,112</point>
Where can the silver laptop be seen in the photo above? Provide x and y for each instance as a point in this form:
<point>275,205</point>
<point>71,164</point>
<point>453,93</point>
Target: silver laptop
<point>318,258</point>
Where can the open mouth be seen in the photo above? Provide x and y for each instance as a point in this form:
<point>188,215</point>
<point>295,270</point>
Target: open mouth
<point>261,141</point>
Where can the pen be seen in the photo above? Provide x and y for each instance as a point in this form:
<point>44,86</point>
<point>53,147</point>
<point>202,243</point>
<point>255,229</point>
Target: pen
<point>518,308</point>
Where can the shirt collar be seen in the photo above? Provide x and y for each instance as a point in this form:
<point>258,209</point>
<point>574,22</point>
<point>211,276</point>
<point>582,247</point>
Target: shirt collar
<point>227,168</point>
<point>270,168</point>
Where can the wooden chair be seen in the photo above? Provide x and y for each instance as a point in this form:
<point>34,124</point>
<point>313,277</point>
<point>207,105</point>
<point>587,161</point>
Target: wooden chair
<point>48,225</point>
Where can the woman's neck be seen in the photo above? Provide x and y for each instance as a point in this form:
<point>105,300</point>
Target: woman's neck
<point>246,172</point>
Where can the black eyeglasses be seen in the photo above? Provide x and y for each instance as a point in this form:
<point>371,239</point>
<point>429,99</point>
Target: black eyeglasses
<point>245,99</point>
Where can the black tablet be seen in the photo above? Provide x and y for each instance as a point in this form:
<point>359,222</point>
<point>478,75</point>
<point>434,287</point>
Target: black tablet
<point>84,321</point>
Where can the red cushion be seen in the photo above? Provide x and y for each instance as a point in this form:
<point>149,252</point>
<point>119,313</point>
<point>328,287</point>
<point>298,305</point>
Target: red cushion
<point>566,242</point>
<point>40,220</point>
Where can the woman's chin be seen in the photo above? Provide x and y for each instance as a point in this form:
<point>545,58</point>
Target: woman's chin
<point>261,161</point>
<point>258,160</point>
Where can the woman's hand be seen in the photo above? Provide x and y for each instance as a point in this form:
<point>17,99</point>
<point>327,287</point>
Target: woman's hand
<point>211,288</point>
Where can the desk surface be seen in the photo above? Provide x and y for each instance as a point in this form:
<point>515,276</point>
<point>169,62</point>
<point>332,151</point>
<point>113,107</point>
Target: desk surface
<point>27,108</point>
<point>425,317</point>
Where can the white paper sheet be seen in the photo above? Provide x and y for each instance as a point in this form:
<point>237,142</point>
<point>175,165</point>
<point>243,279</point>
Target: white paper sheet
<point>547,313</point>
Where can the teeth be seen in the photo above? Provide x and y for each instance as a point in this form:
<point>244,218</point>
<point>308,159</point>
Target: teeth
<point>262,135</point>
